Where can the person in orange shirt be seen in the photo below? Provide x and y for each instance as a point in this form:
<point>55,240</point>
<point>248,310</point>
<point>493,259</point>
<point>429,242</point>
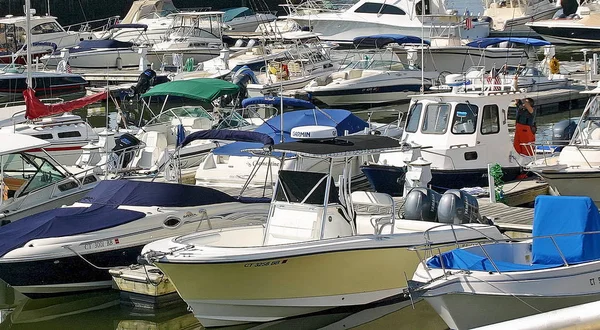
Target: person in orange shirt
<point>525,126</point>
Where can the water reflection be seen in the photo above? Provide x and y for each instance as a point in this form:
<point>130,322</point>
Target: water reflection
<point>102,310</point>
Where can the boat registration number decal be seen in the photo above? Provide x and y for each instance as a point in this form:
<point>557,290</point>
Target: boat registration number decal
<point>265,263</point>
<point>100,244</point>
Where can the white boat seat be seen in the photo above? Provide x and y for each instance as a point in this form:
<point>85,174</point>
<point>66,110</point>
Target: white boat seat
<point>193,122</point>
<point>156,144</point>
<point>355,73</point>
<point>339,75</point>
<point>375,212</point>
<point>294,69</point>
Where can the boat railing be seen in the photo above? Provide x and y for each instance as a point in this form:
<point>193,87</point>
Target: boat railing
<point>96,25</point>
<point>314,6</point>
<point>428,248</point>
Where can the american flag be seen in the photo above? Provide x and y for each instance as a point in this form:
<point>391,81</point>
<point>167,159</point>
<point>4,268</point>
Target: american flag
<point>468,23</point>
<point>69,68</point>
<point>496,81</point>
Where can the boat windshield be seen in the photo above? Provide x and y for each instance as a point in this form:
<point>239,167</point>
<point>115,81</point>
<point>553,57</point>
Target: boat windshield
<point>304,187</point>
<point>167,116</point>
<point>24,173</point>
<point>589,125</point>
<point>379,65</point>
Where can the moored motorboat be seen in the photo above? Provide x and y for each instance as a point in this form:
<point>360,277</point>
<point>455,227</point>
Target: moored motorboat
<point>455,131</point>
<point>510,17</point>
<point>68,249</point>
<point>244,19</point>
<point>496,281</point>
<point>583,28</point>
<point>322,246</point>
<point>374,77</point>
<point>575,171</point>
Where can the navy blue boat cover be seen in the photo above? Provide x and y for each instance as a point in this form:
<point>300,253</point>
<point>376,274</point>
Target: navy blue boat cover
<point>341,119</point>
<point>287,101</point>
<point>106,197</point>
<point>100,43</point>
<point>553,216</point>
<point>485,42</point>
<point>225,134</point>
<point>380,40</point>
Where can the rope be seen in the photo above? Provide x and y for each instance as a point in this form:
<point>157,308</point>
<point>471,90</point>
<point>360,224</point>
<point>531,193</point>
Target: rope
<point>150,281</point>
<point>84,259</point>
<point>496,173</point>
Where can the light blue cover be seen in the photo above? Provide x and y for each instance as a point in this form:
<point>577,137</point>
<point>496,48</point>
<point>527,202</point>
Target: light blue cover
<point>462,259</point>
<point>341,119</point>
<point>555,215</point>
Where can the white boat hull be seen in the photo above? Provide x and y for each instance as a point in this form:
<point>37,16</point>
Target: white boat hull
<point>99,59</point>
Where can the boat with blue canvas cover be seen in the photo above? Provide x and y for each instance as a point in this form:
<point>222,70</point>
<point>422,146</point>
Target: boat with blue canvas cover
<point>377,76</point>
<point>495,281</point>
<point>67,250</point>
<point>231,165</point>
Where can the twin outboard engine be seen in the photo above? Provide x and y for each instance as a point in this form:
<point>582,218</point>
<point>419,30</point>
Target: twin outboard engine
<point>421,204</point>
<point>453,207</point>
<point>458,207</point>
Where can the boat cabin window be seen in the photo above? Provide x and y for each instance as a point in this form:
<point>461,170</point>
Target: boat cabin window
<point>304,187</point>
<point>377,8</point>
<point>43,136</point>
<point>419,8</point>
<point>12,37</point>
<point>435,119</point>
<point>35,172</point>
<point>465,119</point>
<point>490,123</point>
<point>70,134</point>
<point>48,27</point>
<point>414,115</point>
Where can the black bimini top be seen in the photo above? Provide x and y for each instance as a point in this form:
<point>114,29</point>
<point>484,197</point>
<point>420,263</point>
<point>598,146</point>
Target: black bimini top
<point>344,146</point>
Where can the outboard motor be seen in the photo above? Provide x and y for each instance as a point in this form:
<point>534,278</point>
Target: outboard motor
<point>124,145</point>
<point>458,207</point>
<point>144,82</point>
<point>421,204</point>
<point>242,77</point>
<point>564,130</point>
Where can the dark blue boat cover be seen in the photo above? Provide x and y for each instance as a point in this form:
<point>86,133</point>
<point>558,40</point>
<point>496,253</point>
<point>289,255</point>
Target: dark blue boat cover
<point>140,193</point>
<point>231,135</point>
<point>485,42</point>
<point>106,197</point>
<point>63,222</point>
<point>276,101</point>
<point>100,43</point>
<point>553,216</point>
<point>42,43</point>
<point>341,119</point>
<point>380,40</point>
<point>128,26</point>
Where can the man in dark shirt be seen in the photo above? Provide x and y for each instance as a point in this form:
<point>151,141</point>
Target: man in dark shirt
<point>525,127</point>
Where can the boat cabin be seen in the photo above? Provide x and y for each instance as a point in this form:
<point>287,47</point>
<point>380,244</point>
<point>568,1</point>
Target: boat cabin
<point>198,28</point>
<point>459,130</point>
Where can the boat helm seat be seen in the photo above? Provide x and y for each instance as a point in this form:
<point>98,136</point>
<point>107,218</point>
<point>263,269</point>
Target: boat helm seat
<point>375,213</point>
<point>355,73</point>
<point>155,145</point>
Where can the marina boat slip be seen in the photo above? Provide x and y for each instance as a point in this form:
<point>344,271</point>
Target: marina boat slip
<point>575,171</point>
<point>406,17</point>
<point>70,249</point>
<point>31,183</point>
<point>459,133</point>
<point>495,281</point>
<point>374,77</point>
<point>322,246</point>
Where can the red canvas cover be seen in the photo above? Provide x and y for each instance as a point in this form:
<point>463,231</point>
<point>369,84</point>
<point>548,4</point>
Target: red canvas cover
<point>37,109</point>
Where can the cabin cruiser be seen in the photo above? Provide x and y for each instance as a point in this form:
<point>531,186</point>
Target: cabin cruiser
<point>46,36</point>
<point>308,59</point>
<point>13,82</point>
<point>583,28</point>
<point>371,17</point>
<point>69,249</point>
<point>244,19</point>
<point>106,53</point>
<point>373,77</point>
<point>30,183</point>
<point>459,133</point>
<point>315,229</point>
<point>231,165</point>
<point>531,76</point>
<point>152,13</point>
<point>193,37</point>
<point>508,18</point>
<point>576,169</point>
<point>495,281</point>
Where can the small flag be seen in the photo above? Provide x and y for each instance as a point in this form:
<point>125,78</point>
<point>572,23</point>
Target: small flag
<point>468,23</point>
<point>69,68</point>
